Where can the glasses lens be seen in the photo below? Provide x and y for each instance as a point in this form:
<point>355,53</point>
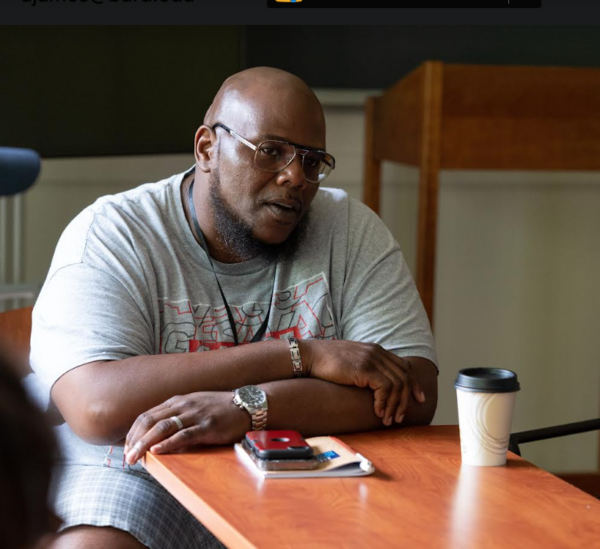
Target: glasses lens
<point>273,156</point>
<point>317,166</point>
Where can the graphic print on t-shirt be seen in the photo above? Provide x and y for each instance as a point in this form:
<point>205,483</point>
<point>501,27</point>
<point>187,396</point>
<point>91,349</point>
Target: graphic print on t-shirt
<point>302,311</point>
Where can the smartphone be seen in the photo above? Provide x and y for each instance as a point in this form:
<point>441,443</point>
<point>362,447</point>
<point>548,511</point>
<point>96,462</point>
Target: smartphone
<point>278,445</point>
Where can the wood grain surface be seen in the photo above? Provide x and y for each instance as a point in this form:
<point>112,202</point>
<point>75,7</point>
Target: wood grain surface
<point>15,332</point>
<point>420,496</point>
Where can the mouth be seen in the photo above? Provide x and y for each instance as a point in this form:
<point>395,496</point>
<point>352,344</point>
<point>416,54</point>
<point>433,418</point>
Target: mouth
<point>286,203</point>
<point>285,209</point>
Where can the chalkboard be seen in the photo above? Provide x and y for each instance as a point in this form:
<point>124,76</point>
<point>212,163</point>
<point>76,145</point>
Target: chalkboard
<point>123,90</point>
<point>94,91</point>
<point>373,57</point>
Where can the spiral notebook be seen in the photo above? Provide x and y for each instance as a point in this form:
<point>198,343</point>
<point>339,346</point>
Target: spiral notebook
<point>334,459</point>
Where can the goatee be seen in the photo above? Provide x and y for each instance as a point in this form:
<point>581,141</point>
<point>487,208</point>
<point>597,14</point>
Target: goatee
<point>236,236</point>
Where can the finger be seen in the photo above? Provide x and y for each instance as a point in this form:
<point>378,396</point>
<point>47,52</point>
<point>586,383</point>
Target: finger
<point>417,391</point>
<point>417,388</point>
<point>191,436</point>
<point>380,395</point>
<point>163,429</point>
<point>381,387</point>
<point>400,411</point>
<point>397,377</point>
<point>393,400</point>
<point>400,364</point>
<point>382,378</point>
<point>144,422</point>
<point>404,364</point>
<point>386,386</point>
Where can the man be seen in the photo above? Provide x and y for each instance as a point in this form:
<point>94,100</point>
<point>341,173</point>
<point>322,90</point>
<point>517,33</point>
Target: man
<point>244,247</point>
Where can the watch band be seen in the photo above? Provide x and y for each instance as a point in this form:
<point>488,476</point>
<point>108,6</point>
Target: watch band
<point>259,420</point>
<point>296,359</point>
<point>257,415</point>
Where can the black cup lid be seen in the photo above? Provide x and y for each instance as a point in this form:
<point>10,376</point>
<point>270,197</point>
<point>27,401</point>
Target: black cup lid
<point>487,380</point>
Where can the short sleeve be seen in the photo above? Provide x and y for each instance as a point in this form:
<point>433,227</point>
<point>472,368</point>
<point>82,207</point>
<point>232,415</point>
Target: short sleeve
<point>84,315</point>
<point>381,303</point>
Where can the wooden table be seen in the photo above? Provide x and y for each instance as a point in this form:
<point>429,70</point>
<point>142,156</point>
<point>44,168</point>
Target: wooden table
<point>420,496</point>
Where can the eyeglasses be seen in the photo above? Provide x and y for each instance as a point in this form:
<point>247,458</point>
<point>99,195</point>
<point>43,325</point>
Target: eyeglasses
<point>274,156</point>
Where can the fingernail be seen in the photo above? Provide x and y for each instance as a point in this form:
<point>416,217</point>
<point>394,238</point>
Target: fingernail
<point>125,449</point>
<point>422,396</point>
<point>156,448</point>
<point>388,421</point>
<point>400,419</point>
<point>131,456</point>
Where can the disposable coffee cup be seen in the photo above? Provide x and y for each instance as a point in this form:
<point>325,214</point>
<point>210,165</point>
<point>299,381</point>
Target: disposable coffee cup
<point>486,402</point>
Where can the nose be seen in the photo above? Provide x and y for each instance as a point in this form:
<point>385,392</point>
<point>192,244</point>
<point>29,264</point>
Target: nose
<point>293,174</point>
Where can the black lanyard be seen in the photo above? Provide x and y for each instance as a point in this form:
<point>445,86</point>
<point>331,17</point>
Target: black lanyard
<point>258,335</point>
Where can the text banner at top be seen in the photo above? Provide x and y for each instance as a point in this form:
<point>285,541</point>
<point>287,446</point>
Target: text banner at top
<point>479,4</point>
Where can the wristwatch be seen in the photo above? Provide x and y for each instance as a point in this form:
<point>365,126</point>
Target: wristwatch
<point>254,400</point>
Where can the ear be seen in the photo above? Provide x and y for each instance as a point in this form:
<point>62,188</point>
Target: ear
<point>203,147</point>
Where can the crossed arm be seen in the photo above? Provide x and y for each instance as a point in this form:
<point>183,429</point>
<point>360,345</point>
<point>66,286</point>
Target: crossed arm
<point>352,387</point>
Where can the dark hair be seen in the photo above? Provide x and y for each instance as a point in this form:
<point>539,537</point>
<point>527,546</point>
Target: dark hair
<point>26,460</point>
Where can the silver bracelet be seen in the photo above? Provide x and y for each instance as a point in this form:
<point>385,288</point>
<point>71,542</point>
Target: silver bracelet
<point>296,360</point>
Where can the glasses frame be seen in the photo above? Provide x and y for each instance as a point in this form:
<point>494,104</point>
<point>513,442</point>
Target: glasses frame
<point>299,150</point>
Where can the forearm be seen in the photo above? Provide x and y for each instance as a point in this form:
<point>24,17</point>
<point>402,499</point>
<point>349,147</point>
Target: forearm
<point>310,406</point>
<point>314,407</point>
<point>101,400</point>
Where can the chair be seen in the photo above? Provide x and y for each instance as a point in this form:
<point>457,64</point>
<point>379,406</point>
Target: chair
<point>15,332</point>
<point>588,482</point>
<point>447,116</point>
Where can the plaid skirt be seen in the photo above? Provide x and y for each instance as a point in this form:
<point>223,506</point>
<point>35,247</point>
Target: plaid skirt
<point>127,500</point>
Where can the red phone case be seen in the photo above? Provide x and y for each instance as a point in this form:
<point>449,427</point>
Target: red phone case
<point>279,445</point>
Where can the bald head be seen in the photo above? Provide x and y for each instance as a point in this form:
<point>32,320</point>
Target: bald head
<point>249,209</point>
<point>266,97</point>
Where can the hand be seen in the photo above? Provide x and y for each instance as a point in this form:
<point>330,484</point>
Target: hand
<point>207,418</point>
<point>365,365</point>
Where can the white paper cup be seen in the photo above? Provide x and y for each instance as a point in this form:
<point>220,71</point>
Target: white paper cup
<point>486,402</point>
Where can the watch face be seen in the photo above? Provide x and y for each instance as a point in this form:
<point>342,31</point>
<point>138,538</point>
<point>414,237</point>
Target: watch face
<point>252,395</point>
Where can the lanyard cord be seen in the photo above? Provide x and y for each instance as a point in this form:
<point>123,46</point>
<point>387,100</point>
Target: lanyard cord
<point>258,335</point>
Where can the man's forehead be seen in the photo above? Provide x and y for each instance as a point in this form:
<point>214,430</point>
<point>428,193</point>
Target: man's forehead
<point>288,116</point>
<point>293,125</point>
<point>305,134</point>
<point>289,138</point>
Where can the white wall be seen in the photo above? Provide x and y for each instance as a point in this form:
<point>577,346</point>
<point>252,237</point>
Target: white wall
<point>518,257</point>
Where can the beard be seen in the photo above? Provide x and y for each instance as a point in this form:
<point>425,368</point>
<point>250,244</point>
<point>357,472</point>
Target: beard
<point>236,236</point>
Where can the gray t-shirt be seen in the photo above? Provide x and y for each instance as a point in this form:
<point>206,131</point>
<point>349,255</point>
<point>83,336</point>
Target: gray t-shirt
<point>129,279</point>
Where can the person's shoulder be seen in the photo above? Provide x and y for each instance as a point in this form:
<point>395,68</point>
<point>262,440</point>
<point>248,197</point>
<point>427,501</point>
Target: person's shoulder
<point>148,195</point>
<point>333,195</point>
<point>332,202</point>
<point>113,215</point>
<point>128,205</point>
